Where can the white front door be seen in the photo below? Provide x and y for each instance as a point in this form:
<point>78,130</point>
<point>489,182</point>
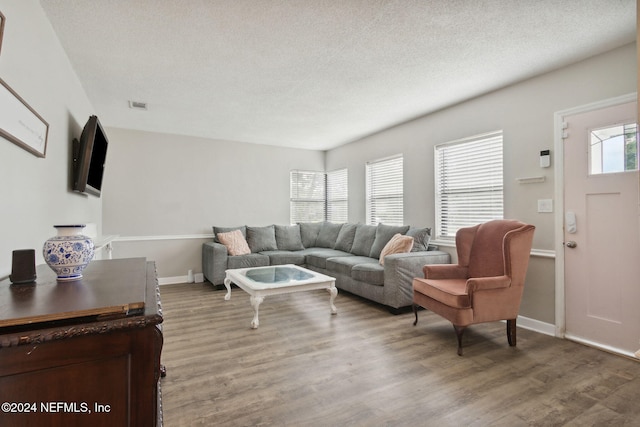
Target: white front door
<point>601,229</point>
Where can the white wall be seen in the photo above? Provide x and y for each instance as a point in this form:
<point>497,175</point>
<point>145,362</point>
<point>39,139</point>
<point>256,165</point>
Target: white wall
<point>525,113</point>
<point>167,185</point>
<point>35,192</point>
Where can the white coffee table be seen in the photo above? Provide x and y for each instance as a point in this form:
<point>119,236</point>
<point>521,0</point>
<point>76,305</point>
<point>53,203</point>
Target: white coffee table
<point>260,282</point>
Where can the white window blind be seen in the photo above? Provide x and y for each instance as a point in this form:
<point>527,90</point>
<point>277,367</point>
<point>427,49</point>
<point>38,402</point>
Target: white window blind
<point>308,196</point>
<point>337,196</point>
<point>469,183</point>
<point>385,191</point>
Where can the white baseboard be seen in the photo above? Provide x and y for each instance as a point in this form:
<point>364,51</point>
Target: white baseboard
<point>603,347</point>
<point>536,326</point>
<point>198,278</point>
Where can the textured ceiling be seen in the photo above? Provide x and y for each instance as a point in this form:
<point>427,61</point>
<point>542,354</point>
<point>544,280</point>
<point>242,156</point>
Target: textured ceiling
<point>316,74</point>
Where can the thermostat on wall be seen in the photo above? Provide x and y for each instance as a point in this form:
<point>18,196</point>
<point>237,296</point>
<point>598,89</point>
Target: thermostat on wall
<point>545,158</point>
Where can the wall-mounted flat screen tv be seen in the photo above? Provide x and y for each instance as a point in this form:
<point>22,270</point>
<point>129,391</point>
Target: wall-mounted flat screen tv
<point>89,156</point>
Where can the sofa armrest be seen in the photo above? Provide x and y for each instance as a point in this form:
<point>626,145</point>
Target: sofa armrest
<point>401,269</point>
<point>214,262</point>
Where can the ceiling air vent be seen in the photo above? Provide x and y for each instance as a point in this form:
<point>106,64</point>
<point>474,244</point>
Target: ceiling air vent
<point>136,105</point>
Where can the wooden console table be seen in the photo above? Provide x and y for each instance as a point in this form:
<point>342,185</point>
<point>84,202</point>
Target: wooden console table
<point>85,352</point>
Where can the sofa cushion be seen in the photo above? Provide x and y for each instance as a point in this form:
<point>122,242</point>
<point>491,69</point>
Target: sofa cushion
<point>262,238</point>
<point>317,257</point>
<point>344,264</point>
<point>398,244</point>
<point>421,237</point>
<point>249,260</point>
<point>235,242</point>
<point>309,233</point>
<point>288,238</point>
<point>344,242</point>
<point>384,233</point>
<point>328,235</point>
<point>371,273</point>
<point>285,257</point>
<point>216,230</point>
<point>363,239</point>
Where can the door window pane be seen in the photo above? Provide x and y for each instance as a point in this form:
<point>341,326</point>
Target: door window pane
<point>613,149</point>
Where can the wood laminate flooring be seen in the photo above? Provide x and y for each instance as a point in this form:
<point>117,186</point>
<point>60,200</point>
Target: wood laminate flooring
<point>366,367</point>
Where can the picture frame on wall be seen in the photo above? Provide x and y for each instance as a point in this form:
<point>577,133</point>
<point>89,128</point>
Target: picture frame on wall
<point>2,19</point>
<point>21,124</point>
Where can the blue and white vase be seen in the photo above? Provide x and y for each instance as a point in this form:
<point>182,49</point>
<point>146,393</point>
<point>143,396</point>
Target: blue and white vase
<point>69,252</point>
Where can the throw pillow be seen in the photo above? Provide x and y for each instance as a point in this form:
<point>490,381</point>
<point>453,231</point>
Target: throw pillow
<point>328,235</point>
<point>288,238</point>
<point>421,237</point>
<point>235,242</point>
<point>344,242</point>
<point>363,239</point>
<point>262,238</point>
<point>398,244</point>
<point>309,233</point>
<point>384,233</point>
<point>216,230</point>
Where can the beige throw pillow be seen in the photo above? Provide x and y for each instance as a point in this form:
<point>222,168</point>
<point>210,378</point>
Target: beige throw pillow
<point>235,242</point>
<point>398,244</point>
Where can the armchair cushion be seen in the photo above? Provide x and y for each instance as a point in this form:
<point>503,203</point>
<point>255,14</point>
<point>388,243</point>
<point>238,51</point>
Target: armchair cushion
<point>451,292</point>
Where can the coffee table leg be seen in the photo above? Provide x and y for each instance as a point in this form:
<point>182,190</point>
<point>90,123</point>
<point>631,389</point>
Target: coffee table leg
<point>333,291</point>
<point>227,284</point>
<point>255,303</point>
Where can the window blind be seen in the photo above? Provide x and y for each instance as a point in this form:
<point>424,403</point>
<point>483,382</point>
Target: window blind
<point>385,198</point>
<point>307,196</point>
<point>337,196</point>
<point>469,183</point>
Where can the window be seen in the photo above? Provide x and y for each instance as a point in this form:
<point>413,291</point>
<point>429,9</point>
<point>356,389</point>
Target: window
<point>337,196</point>
<point>307,196</point>
<point>469,187</point>
<point>318,196</point>
<point>385,191</point>
<point>614,149</point>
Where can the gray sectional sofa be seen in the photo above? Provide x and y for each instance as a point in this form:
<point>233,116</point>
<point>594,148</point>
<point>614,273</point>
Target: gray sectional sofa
<point>348,252</point>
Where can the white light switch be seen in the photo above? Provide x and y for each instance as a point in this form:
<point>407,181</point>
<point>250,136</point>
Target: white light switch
<point>545,205</point>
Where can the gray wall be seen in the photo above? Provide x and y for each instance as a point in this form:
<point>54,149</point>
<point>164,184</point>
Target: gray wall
<point>179,187</point>
<point>35,192</point>
<point>525,113</point>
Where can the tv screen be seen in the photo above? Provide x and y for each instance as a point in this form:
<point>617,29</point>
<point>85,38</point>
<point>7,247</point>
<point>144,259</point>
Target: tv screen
<point>90,154</point>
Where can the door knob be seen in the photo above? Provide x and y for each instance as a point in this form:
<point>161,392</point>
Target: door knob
<point>571,244</point>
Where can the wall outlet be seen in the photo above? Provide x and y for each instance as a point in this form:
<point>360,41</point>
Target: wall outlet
<point>545,205</point>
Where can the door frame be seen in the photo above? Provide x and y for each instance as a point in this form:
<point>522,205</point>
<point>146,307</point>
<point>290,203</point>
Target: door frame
<point>558,169</point>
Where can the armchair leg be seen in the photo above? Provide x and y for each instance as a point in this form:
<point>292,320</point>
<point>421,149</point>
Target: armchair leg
<point>511,332</point>
<point>415,312</point>
<point>459,331</point>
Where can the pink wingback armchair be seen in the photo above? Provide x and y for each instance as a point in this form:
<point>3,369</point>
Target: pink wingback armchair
<point>487,283</point>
